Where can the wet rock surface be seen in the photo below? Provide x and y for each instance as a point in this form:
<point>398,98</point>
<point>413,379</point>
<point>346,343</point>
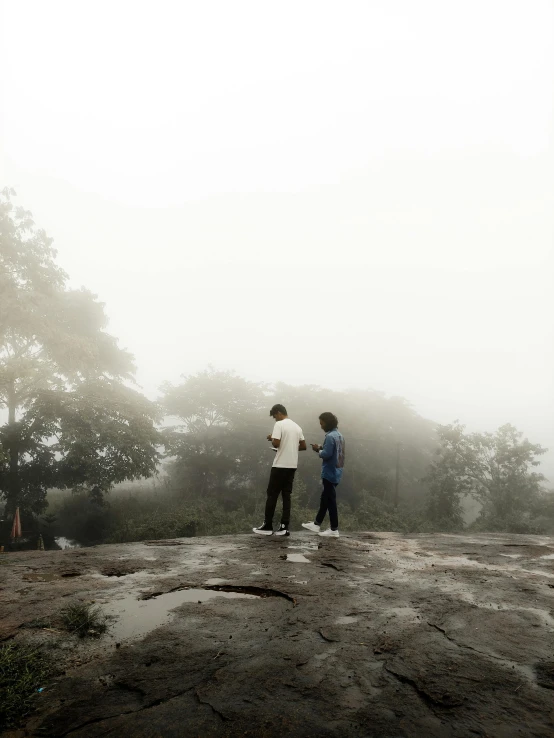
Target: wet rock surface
<point>369,635</point>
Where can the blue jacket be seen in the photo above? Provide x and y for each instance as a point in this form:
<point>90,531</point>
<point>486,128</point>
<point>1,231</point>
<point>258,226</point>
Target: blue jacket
<point>332,453</point>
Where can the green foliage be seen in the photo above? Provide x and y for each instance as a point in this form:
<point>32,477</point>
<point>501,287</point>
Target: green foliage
<point>212,443</point>
<point>495,468</point>
<point>537,519</point>
<point>503,474</point>
<point>72,419</point>
<point>448,479</point>
<point>23,670</point>
<point>140,522</point>
<point>374,514</point>
<point>153,514</point>
<point>84,620</point>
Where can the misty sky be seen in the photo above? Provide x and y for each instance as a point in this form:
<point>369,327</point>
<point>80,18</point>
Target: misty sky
<point>350,194</point>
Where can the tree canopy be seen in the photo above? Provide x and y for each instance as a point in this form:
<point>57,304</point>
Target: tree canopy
<point>72,418</point>
<point>212,444</point>
<point>220,450</point>
<point>495,468</point>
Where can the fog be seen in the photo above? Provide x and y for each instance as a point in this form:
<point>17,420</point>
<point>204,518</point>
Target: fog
<point>346,195</point>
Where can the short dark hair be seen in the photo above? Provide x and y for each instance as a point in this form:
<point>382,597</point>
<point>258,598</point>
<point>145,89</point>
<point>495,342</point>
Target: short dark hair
<point>277,409</point>
<point>330,421</point>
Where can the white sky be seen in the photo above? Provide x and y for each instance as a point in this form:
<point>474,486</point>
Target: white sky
<point>340,193</point>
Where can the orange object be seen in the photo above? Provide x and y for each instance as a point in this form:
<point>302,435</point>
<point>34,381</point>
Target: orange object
<point>16,527</point>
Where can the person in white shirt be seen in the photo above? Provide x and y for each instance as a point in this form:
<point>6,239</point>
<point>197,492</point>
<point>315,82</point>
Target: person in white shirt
<point>287,438</point>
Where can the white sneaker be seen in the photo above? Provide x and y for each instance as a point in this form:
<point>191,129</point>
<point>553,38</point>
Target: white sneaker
<point>311,527</point>
<point>329,533</point>
<point>263,530</point>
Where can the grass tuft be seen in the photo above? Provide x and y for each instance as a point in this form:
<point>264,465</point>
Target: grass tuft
<point>84,620</point>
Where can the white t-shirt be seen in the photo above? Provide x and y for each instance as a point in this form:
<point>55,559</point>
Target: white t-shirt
<point>290,435</point>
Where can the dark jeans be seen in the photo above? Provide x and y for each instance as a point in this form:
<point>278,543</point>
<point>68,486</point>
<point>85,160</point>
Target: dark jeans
<point>280,482</point>
<point>328,502</point>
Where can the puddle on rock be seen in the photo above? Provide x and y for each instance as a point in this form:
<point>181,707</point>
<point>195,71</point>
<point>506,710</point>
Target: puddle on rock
<point>298,559</point>
<point>549,557</point>
<point>215,580</point>
<point>136,618</point>
<point>346,620</point>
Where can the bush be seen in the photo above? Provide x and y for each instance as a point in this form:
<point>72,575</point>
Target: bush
<point>375,514</point>
<point>126,517</point>
<point>522,524</point>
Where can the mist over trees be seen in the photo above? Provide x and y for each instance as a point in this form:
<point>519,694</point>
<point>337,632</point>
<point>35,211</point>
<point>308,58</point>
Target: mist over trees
<point>495,468</point>
<point>72,419</point>
<point>221,451</point>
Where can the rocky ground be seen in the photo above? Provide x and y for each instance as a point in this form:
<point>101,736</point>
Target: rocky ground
<point>374,635</point>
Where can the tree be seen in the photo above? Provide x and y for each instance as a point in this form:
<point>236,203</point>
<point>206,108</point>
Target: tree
<point>373,424</point>
<point>219,443</point>
<point>448,478</point>
<point>219,447</point>
<point>72,419</point>
<point>495,468</point>
<point>502,473</point>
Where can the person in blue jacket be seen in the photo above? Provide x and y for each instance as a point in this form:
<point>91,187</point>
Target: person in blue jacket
<point>332,454</point>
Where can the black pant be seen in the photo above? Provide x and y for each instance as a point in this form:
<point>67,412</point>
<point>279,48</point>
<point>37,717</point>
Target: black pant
<point>280,482</point>
<point>328,502</point>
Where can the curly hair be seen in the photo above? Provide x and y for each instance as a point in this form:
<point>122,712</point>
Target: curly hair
<point>330,421</point>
